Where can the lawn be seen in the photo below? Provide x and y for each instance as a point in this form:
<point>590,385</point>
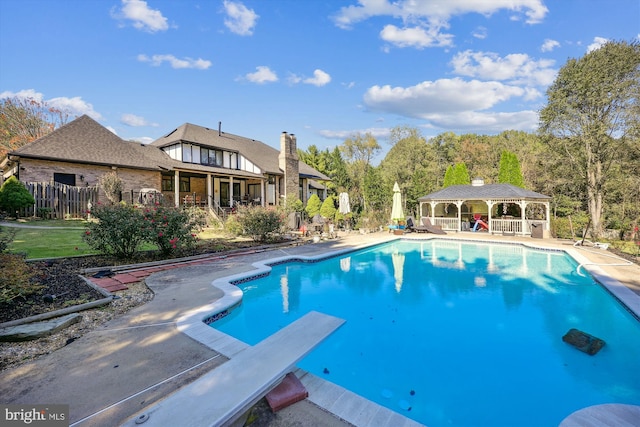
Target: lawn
<point>64,238</point>
<point>49,243</point>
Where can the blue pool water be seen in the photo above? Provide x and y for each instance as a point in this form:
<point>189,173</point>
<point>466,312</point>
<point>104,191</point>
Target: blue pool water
<point>454,334</point>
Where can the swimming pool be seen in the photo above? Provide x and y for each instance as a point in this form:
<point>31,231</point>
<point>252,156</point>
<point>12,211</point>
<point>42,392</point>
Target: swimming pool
<point>454,333</point>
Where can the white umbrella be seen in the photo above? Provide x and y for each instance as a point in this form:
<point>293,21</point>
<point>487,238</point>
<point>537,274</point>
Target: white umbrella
<point>396,209</point>
<point>344,207</point>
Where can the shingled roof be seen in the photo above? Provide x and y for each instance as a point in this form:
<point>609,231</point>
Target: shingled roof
<point>483,192</point>
<point>261,154</point>
<point>86,141</point>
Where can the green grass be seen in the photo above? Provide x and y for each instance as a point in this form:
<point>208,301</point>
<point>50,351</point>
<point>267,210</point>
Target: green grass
<point>53,243</point>
<point>49,243</point>
<point>52,222</point>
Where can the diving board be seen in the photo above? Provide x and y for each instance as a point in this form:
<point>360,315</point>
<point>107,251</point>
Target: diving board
<point>221,396</point>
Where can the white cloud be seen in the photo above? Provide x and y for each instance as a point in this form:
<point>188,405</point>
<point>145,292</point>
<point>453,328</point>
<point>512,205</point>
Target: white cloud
<point>486,121</point>
<point>549,45</point>
<point>135,121</point>
<point>417,37</point>
<point>240,20</point>
<point>480,33</point>
<point>157,60</point>
<point>142,139</point>
<point>143,17</point>
<point>441,96</point>
<point>75,106</point>
<point>516,68</point>
<point>262,75</point>
<point>23,94</point>
<point>380,133</point>
<point>113,131</point>
<point>320,78</point>
<point>428,18</point>
<point>597,44</point>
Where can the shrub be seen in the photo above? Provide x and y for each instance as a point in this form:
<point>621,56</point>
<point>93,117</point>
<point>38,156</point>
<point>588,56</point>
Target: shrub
<point>260,223</point>
<point>14,196</point>
<point>15,278</point>
<point>561,226</point>
<point>313,205</point>
<point>233,226</point>
<point>6,237</point>
<point>119,230</point>
<point>172,229</point>
<point>328,208</point>
<point>112,186</point>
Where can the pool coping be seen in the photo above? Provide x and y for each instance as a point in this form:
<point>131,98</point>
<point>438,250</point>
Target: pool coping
<point>343,403</point>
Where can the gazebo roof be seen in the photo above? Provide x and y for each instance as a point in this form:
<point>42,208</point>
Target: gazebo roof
<point>483,192</point>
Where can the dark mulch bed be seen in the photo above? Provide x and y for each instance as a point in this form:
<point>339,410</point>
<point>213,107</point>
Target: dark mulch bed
<point>60,279</point>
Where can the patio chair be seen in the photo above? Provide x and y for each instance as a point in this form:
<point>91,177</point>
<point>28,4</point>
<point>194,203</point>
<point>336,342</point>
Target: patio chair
<point>435,229</point>
<point>412,226</point>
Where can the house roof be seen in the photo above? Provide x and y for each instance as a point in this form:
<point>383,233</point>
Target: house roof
<point>483,192</point>
<point>86,141</point>
<point>261,154</point>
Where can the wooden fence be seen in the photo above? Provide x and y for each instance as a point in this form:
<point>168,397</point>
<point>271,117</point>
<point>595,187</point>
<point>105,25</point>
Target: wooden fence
<point>60,201</point>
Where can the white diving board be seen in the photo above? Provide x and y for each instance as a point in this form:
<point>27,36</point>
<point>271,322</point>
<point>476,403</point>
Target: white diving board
<point>221,396</point>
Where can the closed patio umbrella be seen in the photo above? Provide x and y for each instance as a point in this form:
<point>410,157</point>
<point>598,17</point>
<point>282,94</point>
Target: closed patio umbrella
<point>397,213</point>
<point>344,207</point>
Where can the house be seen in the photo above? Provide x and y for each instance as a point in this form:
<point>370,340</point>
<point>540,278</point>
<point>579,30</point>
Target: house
<point>191,164</point>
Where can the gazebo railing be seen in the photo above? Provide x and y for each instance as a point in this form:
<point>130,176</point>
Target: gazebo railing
<point>446,223</point>
<point>506,226</point>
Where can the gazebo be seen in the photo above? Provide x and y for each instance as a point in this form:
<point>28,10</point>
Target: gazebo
<point>503,208</point>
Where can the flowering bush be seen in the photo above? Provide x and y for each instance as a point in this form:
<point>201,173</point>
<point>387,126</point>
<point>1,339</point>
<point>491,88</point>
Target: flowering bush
<point>172,229</point>
<point>119,231</point>
<point>260,223</point>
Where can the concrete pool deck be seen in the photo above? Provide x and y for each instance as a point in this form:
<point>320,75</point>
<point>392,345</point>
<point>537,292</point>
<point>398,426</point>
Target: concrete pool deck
<point>140,358</point>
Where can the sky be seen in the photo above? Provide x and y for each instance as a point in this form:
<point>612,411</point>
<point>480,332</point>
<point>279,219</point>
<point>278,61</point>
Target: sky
<point>325,70</point>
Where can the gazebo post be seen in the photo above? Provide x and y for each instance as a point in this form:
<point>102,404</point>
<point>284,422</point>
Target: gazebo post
<point>523,215</point>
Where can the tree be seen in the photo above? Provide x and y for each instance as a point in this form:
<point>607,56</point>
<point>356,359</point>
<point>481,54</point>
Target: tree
<point>592,113</point>
<point>409,156</point>
<point>23,120</point>
<point>14,196</point>
<point>359,150</point>
<point>510,172</point>
<point>456,175</point>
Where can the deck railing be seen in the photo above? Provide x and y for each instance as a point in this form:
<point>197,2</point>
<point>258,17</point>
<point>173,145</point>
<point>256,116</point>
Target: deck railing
<point>509,226</point>
<point>506,226</point>
<point>447,223</point>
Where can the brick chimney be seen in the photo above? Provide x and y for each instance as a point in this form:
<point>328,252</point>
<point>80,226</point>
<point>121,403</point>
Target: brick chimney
<point>289,163</point>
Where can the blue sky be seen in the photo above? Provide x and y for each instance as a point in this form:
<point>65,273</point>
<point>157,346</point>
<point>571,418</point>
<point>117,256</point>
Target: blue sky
<point>323,70</point>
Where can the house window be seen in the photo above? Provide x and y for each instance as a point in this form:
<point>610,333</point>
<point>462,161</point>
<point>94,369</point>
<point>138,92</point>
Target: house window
<point>185,184</point>
<point>65,178</point>
<point>254,191</point>
<point>168,182</point>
